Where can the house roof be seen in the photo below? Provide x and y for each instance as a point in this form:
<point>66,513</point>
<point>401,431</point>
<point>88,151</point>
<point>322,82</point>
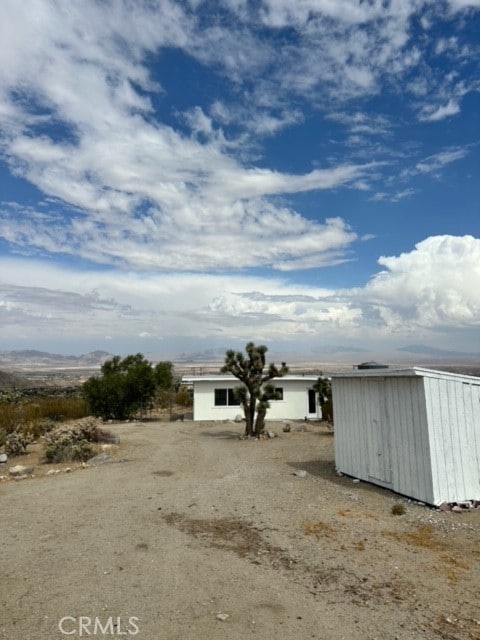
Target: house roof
<point>408,372</point>
<point>223,378</point>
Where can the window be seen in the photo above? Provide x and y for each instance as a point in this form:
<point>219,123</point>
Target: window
<point>279,393</point>
<point>225,398</point>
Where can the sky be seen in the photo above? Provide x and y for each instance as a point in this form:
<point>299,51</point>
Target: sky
<point>195,174</point>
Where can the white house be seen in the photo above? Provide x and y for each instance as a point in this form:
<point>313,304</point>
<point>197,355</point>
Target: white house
<point>415,431</point>
<point>214,399</point>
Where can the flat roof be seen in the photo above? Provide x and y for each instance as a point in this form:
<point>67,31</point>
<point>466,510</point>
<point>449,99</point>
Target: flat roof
<point>223,378</point>
<point>406,373</point>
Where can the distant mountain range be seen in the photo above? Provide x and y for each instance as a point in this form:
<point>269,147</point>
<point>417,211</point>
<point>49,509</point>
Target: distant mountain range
<point>438,353</point>
<point>33,358</point>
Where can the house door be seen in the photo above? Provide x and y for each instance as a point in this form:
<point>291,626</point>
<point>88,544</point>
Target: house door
<point>312,403</point>
<point>378,431</point>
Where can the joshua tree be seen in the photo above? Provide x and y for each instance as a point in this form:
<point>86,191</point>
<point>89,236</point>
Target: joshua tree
<point>255,393</point>
<point>323,387</point>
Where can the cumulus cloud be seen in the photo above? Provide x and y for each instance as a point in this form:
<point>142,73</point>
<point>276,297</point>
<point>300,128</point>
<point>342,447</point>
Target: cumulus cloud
<point>434,286</point>
<point>429,291</point>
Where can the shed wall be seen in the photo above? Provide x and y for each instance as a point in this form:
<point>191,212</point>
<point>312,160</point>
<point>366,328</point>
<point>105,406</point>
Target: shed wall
<point>453,409</point>
<point>381,433</point>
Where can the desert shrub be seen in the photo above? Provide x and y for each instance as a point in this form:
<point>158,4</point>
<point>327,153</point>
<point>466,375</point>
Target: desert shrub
<point>10,416</point>
<point>66,451</point>
<point>125,386</point>
<point>16,443</point>
<point>75,441</point>
<point>36,417</point>
<point>398,509</point>
<point>183,398</point>
<point>57,409</point>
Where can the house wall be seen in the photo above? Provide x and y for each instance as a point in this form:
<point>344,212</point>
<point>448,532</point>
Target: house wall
<point>381,433</point>
<point>293,406</point>
<point>453,409</point>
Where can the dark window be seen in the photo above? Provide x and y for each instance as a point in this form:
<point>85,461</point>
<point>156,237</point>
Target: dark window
<point>279,393</point>
<point>220,397</point>
<point>232,398</point>
<point>225,397</point>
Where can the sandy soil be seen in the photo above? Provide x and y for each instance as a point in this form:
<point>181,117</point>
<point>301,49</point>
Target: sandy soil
<point>191,522</point>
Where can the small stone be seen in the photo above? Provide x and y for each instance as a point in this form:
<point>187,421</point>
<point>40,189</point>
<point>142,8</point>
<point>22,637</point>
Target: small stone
<point>444,506</point>
<point>238,418</point>
<point>67,470</point>
<point>457,509</point>
<point>20,470</point>
<point>271,434</point>
<point>300,473</point>
<point>339,474</point>
<point>287,428</point>
<point>356,481</point>
<point>222,616</point>
<point>3,457</point>
<point>51,472</point>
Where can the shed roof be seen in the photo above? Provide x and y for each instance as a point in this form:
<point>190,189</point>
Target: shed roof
<point>408,372</point>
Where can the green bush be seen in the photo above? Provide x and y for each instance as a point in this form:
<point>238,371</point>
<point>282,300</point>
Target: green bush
<point>126,386</point>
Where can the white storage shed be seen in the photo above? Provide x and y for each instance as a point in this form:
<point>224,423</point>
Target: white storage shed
<point>415,431</point>
<point>214,399</point>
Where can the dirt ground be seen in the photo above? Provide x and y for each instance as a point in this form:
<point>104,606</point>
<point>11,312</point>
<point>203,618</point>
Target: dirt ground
<point>190,523</point>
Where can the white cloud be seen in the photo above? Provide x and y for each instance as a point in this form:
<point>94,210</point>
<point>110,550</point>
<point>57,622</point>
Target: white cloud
<point>434,114</point>
<point>434,286</point>
<point>435,163</point>
<point>429,291</point>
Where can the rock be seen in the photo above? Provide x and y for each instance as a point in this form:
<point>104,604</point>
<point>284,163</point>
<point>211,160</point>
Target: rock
<point>300,473</point>
<point>457,509</point>
<point>24,476</point>
<point>339,474</point>
<point>222,616</point>
<point>102,458</point>
<point>356,481</point>
<point>20,470</point>
<point>271,434</point>
<point>287,428</point>
<point>238,418</point>
<point>3,457</point>
<point>51,472</point>
<point>444,506</point>
<point>67,470</point>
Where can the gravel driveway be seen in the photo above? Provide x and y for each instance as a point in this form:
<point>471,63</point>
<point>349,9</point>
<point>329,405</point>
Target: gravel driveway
<point>197,534</point>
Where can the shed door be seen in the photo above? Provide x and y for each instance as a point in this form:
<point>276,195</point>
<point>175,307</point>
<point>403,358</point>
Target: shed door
<point>378,431</point>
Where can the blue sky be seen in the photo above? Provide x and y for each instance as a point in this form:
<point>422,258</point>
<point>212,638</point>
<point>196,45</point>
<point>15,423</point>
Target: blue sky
<point>185,175</point>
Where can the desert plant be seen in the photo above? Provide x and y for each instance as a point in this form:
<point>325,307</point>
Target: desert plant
<point>16,443</point>
<point>398,509</point>
<point>183,398</point>
<point>76,441</point>
<point>255,393</point>
<point>323,386</point>
<point>126,386</point>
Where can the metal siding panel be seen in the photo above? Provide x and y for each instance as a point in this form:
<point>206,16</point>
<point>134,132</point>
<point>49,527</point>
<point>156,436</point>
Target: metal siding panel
<point>437,452</point>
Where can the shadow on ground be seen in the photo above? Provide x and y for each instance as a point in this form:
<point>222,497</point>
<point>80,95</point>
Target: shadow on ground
<point>223,435</point>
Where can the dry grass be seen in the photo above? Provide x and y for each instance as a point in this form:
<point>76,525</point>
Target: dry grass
<point>318,529</point>
<point>423,536</point>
